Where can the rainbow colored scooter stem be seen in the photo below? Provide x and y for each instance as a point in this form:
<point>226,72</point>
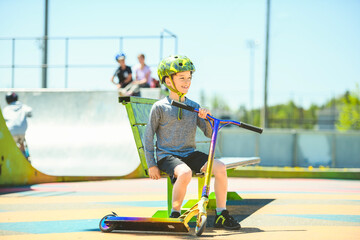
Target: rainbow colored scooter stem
<point>114,222</point>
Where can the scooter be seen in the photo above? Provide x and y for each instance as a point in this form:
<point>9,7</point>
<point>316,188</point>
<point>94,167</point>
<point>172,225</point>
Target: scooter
<point>114,222</point>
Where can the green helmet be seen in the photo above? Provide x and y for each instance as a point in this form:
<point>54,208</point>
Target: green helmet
<point>170,66</point>
<point>174,64</point>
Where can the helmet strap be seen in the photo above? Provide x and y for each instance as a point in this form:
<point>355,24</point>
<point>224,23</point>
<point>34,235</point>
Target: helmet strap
<point>180,110</point>
<point>178,93</point>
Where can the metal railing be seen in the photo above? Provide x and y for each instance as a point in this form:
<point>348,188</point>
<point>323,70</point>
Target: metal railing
<point>165,34</point>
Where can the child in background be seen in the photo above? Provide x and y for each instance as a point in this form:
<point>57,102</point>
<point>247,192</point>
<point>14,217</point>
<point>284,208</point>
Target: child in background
<point>15,115</point>
<point>123,73</point>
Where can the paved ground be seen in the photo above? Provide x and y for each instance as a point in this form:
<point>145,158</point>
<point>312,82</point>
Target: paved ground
<point>271,209</point>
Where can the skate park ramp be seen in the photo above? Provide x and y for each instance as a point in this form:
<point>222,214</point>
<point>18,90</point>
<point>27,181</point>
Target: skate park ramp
<point>77,133</point>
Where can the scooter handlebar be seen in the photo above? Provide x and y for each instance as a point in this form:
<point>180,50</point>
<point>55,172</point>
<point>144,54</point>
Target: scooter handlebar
<point>192,109</point>
<point>182,105</point>
<point>251,127</point>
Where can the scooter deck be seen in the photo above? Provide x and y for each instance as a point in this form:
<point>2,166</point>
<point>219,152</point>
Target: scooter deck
<point>147,224</point>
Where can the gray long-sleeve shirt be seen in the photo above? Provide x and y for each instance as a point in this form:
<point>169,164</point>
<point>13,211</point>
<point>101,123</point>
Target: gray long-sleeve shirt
<point>174,137</point>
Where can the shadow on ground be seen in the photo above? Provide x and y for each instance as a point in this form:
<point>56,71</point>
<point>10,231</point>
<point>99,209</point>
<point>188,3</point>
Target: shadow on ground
<point>17,189</point>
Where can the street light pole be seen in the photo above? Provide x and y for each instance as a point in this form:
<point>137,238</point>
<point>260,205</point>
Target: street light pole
<point>252,45</point>
<point>264,115</point>
<point>45,48</point>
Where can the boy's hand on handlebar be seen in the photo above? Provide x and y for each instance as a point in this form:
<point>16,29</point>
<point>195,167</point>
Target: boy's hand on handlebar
<point>154,173</point>
<point>203,112</point>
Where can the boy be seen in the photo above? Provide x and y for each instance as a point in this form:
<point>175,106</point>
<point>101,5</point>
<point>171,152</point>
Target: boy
<point>175,147</point>
<point>15,115</point>
<point>123,73</point>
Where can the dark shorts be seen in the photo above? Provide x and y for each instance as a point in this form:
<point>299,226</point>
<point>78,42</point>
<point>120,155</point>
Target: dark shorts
<point>195,161</point>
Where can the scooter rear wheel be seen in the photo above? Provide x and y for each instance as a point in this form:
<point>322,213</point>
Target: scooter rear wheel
<point>201,225</point>
<point>106,227</point>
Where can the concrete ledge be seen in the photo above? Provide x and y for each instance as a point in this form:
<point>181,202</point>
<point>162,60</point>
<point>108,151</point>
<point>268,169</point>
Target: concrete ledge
<point>295,172</point>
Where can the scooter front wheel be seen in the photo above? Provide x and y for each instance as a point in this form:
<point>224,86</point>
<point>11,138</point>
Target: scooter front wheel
<point>106,227</point>
<point>200,225</point>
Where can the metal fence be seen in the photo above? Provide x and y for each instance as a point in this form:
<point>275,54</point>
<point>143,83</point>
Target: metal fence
<point>294,148</point>
<point>165,34</point>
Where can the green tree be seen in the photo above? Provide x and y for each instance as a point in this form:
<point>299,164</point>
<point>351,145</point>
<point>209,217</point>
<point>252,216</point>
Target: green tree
<point>218,103</point>
<point>349,118</point>
<point>289,115</point>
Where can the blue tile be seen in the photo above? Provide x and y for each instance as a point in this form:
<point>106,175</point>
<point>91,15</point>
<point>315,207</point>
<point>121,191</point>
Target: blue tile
<point>43,227</point>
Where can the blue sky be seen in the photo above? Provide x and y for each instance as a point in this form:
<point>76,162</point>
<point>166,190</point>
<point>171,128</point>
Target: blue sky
<point>314,45</point>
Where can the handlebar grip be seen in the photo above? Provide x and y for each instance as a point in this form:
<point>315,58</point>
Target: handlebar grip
<point>189,108</point>
<point>251,128</point>
<point>182,105</point>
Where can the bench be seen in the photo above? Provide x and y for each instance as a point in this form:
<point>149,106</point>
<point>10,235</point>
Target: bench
<point>138,110</point>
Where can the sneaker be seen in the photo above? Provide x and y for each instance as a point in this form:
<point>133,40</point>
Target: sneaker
<point>174,215</point>
<point>224,220</point>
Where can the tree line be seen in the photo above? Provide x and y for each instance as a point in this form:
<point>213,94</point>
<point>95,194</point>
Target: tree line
<point>345,110</point>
